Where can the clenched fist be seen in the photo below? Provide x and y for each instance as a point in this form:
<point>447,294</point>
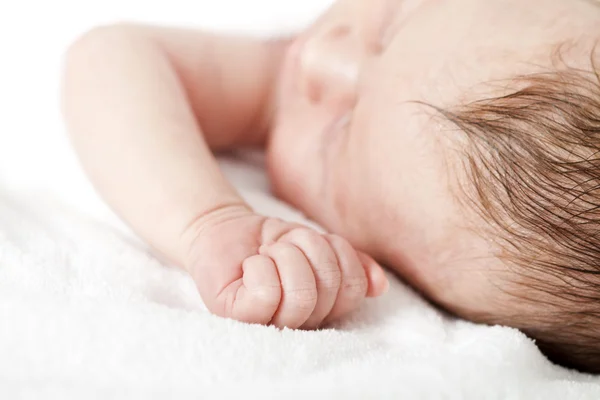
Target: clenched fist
<point>263,270</point>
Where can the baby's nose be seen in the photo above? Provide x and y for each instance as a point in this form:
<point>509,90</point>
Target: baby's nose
<point>330,66</point>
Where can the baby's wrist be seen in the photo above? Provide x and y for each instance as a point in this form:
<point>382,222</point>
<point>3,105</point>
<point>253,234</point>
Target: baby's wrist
<point>199,228</point>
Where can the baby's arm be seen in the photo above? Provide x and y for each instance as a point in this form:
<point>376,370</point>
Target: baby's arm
<point>144,106</point>
<point>134,98</point>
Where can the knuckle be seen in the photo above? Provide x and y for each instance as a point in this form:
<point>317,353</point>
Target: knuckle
<point>303,298</point>
<point>267,295</point>
<point>274,229</point>
<point>270,229</point>
<point>308,234</point>
<point>339,244</point>
<point>336,239</point>
<point>305,237</point>
<point>355,286</point>
<point>330,276</point>
<point>285,250</point>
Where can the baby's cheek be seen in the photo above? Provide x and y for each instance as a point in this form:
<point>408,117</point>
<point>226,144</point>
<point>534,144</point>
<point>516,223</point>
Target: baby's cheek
<point>292,165</point>
<point>282,166</point>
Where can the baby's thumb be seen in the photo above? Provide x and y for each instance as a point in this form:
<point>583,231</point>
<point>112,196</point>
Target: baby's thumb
<point>378,282</point>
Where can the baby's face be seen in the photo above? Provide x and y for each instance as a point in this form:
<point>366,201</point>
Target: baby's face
<point>355,150</point>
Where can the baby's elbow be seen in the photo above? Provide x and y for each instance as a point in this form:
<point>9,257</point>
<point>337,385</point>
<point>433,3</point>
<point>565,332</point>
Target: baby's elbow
<point>97,58</point>
<point>92,55</point>
<point>100,39</point>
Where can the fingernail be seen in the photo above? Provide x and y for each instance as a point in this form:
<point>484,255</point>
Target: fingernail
<point>386,285</point>
<point>380,278</point>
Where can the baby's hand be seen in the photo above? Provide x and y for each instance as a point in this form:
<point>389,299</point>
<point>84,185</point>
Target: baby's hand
<point>263,270</point>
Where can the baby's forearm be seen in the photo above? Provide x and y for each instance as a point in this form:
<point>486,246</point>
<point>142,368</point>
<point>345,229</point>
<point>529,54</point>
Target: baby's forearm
<point>134,124</point>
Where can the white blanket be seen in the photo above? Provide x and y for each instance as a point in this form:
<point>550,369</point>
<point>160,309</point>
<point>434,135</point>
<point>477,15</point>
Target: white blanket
<point>87,312</point>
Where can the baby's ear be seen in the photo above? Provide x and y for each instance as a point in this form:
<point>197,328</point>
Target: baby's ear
<point>378,281</point>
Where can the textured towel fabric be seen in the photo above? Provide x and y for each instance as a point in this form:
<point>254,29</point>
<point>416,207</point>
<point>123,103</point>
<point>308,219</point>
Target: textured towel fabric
<point>87,312</point>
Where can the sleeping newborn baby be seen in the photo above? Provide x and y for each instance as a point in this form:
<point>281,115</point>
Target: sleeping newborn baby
<point>455,142</point>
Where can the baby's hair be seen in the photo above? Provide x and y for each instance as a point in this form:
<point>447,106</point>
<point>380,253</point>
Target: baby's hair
<point>534,156</point>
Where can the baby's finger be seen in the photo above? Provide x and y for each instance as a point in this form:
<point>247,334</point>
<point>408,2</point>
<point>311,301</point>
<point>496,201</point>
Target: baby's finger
<point>299,290</point>
<point>327,273</point>
<point>353,288</point>
<point>257,299</point>
<point>378,282</point>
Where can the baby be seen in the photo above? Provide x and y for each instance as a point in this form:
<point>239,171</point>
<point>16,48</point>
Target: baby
<point>456,142</point>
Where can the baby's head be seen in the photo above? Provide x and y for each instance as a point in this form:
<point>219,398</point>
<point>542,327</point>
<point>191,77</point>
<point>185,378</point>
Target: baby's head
<point>459,143</point>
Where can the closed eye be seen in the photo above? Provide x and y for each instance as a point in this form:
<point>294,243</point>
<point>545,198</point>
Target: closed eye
<point>381,17</point>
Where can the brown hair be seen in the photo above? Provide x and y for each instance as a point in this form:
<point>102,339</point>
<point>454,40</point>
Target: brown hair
<point>534,156</point>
